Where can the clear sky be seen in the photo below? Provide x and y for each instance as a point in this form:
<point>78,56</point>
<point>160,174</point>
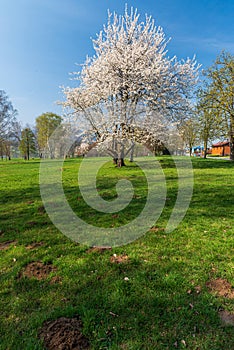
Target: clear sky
<point>42,40</point>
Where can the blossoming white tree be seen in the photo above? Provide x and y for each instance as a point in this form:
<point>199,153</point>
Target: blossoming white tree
<point>130,88</point>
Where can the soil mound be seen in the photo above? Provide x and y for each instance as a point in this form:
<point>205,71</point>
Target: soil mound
<point>38,270</point>
<point>64,334</point>
<point>221,287</point>
<point>118,259</point>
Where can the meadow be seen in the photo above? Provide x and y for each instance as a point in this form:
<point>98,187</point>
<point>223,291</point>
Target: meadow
<point>162,291</point>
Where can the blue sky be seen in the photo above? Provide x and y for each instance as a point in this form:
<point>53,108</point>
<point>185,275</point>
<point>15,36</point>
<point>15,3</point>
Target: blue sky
<point>42,40</point>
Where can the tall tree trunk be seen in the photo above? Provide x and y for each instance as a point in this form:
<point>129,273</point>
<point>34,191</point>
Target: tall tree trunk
<point>28,155</point>
<point>232,149</point>
<point>205,149</point>
<point>121,156</point>
<point>132,152</point>
<point>115,151</point>
<point>232,145</point>
<point>121,162</point>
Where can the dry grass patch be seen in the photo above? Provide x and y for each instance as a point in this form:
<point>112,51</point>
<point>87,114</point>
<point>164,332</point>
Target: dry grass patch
<point>227,317</point>
<point>98,249</point>
<point>35,245</point>
<point>7,244</point>
<point>118,259</point>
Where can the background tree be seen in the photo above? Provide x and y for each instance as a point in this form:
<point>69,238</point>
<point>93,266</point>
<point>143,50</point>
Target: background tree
<point>27,143</point>
<point>7,120</point>
<point>221,93</point>
<point>15,131</point>
<point>5,149</point>
<point>131,83</point>
<point>190,133</point>
<point>7,115</point>
<point>209,121</point>
<point>45,126</point>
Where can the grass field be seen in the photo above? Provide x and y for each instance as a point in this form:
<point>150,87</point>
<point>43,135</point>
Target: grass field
<point>156,296</point>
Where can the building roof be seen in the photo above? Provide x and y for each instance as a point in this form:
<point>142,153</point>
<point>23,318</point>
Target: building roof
<point>221,143</point>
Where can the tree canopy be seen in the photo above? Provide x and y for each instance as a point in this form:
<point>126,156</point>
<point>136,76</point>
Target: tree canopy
<point>45,126</point>
<point>131,83</point>
<point>217,96</point>
<point>27,143</point>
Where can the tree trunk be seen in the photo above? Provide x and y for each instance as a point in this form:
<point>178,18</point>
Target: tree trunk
<point>121,162</point>
<point>28,153</point>
<point>132,152</point>
<point>190,151</point>
<point>232,149</point>
<point>115,161</point>
<point>205,149</point>
<point>121,155</point>
<point>232,146</point>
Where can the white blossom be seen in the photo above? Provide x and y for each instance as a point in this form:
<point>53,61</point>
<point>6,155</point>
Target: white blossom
<point>130,88</point>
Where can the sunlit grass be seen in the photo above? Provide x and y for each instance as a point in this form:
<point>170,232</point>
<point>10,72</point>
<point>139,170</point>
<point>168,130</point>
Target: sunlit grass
<point>158,306</point>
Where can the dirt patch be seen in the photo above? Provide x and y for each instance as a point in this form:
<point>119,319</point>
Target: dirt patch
<point>98,249</point>
<point>6,245</point>
<point>41,209</point>
<point>227,318</point>
<point>37,270</point>
<point>221,287</point>
<point>118,259</point>
<point>64,334</point>
<point>156,229</point>
<point>56,279</point>
<point>35,245</point>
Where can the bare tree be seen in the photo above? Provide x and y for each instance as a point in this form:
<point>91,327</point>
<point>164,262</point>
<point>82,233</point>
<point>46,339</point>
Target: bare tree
<point>190,133</point>
<point>7,122</point>
<point>7,115</point>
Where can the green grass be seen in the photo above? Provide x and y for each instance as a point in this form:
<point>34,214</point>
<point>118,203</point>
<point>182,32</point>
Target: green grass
<point>154,309</point>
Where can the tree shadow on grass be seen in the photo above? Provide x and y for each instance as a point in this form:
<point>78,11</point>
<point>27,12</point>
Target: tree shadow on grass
<point>202,163</point>
<point>144,306</point>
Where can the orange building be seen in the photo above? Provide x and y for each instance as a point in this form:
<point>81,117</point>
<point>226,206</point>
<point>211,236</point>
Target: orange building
<point>221,149</point>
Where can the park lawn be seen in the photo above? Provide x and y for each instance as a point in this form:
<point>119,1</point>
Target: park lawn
<point>156,298</point>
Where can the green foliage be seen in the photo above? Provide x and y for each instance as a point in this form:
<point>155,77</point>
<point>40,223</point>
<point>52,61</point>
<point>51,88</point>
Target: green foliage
<point>189,132</point>
<point>164,304</point>
<point>45,125</point>
<point>216,100</point>
<point>27,143</point>
<point>209,123</point>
